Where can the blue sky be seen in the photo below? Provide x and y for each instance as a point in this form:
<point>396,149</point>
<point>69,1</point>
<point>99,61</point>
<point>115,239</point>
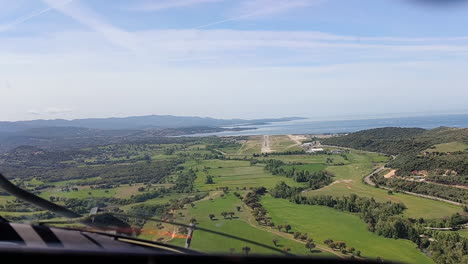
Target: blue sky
<point>232,58</point>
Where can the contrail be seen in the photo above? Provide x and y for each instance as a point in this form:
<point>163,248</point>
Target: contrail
<point>230,19</point>
<point>34,14</point>
<point>266,10</point>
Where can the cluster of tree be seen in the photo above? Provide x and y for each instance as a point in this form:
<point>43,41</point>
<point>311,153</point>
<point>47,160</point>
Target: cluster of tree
<point>378,216</point>
<point>383,219</point>
<point>201,155</point>
<point>449,179</point>
<point>18,206</point>
<point>282,190</point>
<point>209,179</point>
<point>148,195</point>
<point>449,248</point>
<point>445,192</point>
<point>147,210</point>
<point>83,206</point>
<point>252,200</point>
<point>315,180</point>
<point>301,236</point>
<point>390,140</point>
<point>341,246</point>
<point>410,145</point>
<point>108,174</point>
<point>185,180</point>
<point>226,214</point>
<point>408,162</point>
<point>30,217</point>
<point>454,222</point>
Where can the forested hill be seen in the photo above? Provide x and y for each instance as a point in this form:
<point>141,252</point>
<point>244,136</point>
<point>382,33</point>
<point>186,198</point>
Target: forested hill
<point>389,140</point>
<point>439,155</point>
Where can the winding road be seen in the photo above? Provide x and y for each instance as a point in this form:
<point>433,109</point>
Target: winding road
<point>369,181</point>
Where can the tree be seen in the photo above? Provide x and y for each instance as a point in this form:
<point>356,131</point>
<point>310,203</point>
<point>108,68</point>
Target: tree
<point>340,245</point>
<point>275,242</point>
<point>211,216</point>
<point>297,235</point>
<point>193,220</point>
<point>351,250</point>
<point>224,214</point>
<point>280,227</point>
<point>231,214</point>
<point>303,236</point>
<point>328,242</point>
<point>358,253</point>
<point>310,245</point>
<point>287,228</point>
<point>209,179</point>
<point>238,208</point>
<point>246,250</point>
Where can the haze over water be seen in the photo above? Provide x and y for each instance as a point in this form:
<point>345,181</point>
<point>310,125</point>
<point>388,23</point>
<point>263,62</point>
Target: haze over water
<point>310,126</point>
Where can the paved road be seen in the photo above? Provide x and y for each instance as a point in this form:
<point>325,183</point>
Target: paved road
<point>266,144</point>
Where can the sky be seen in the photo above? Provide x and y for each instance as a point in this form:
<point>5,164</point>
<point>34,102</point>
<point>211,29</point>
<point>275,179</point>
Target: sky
<point>232,58</point>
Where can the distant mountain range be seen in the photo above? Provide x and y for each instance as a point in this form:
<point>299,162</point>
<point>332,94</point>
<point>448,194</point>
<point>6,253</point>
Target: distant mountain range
<point>62,134</point>
<point>136,122</point>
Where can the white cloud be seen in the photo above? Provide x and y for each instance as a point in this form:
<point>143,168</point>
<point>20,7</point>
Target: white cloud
<point>158,5</point>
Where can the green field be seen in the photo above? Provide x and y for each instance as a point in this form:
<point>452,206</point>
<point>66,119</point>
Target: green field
<point>348,180</point>
<point>251,146</point>
<point>313,167</point>
<point>233,174</point>
<point>233,165</point>
<point>325,223</point>
<point>283,143</point>
<point>448,147</point>
<point>240,226</point>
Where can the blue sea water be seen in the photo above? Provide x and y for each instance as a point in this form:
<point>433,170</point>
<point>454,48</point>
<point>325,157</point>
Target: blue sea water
<point>309,126</point>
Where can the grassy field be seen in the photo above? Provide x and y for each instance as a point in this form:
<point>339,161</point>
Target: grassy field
<point>325,223</point>
<point>313,167</point>
<point>124,191</point>
<point>463,233</point>
<point>308,158</point>
<point>283,143</point>
<point>251,146</point>
<point>233,174</point>
<point>348,180</point>
<point>449,147</point>
<point>240,226</point>
<point>319,222</point>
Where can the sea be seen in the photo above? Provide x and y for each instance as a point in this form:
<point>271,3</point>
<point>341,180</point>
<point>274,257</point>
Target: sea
<point>311,126</point>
